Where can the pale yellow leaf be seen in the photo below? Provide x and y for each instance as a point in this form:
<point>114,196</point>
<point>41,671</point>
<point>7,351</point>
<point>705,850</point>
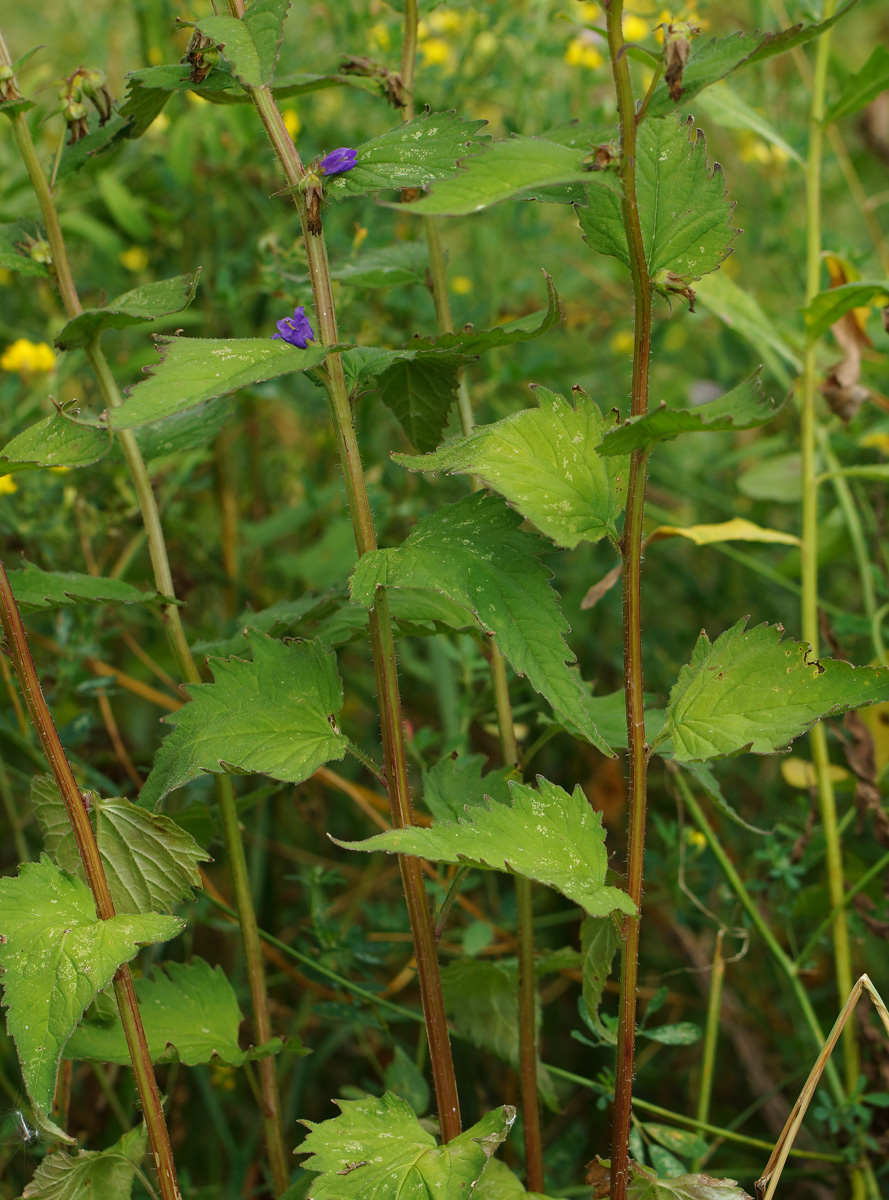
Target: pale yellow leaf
<point>736,530</point>
<point>798,773</point>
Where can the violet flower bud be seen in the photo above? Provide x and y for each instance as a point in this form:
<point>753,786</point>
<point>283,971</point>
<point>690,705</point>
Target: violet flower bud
<point>337,160</point>
<point>296,329</point>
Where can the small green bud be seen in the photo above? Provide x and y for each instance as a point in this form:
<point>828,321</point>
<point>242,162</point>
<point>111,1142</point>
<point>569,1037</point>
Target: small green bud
<point>74,111</point>
<point>92,82</point>
<point>6,73</point>
<point>210,56</point>
<point>40,251</point>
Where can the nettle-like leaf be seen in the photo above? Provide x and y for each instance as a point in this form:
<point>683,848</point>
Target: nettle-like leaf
<point>403,263</point>
<point>752,691</point>
<point>683,210</point>
<point>250,45</point>
<point>714,60</point>
<point>190,1015</point>
<point>413,154</point>
<point>744,407</point>
<point>457,781</point>
<point>740,311</point>
<point>474,553</point>
<point>511,170</point>
<point>185,431</point>
<point>36,590</point>
<point>107,1173</point>
<point>56,441</point>
<point>150,863</point>
<point>421,392</point>
<point>525,329</point>
<point>135,307</point>
<point>272,716</point>
<point>599,942</point>
<point>861,88</point>
<point>499,1183</point>
<point>14,256</point>
<point>545,834</point>
<point>194,370</point>
<point>482,1000</point>
<point>545,463</point>
<point>377,1148</point>
<point>56,956</point>
<point>827,307</point>
<point>644,1185</point>
<point>726,107</point>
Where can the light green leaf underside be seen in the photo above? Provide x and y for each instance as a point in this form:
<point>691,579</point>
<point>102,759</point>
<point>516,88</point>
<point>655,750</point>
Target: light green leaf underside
<point>683,210</point>
<point>862,88</point>
<point>499,1183</point>
<point>739,310</point>
<point>646,1186</point>
<point>57,955</point>
<point>150,863</point>
<point>251,45</point>
<point>107,1174</point>
<point>455,782</point>
<point>193,370</point>
<point>508,170</point>
<point>545,463</point>
<point>827,307</point>
<point>744,407</point>
<point>36,590</point>
<point>599,942</point>
<point>405,262</point>
<point>546,834</point>
<point>749,690</point>
<point>377,1150</point>
<point>413,154</point>
<point>717,58</point>
<point>474,552</point>
<point>136,307</point>
<point>723,105</point>
<point>190,1014</point>
<point>56,441</point>
<point>482,1001</point>
<point>14,254</point>
<point>271,716</point>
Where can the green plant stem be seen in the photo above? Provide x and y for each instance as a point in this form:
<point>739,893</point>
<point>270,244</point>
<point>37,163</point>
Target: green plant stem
<point>632,597</point>
<point>163,580</point>
<point>783,960</point>
<point>528,1044</point>
<point>381,635</point>
<point>809,549</point>
<point>75,806</point>
<point>711,1037</point>
<point>874,872</point>
<point>12,815</point>
<point>692,1122</point>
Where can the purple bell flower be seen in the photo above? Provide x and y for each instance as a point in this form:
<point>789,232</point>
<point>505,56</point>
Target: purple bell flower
<point>296,329</point>
<point>337,161</point>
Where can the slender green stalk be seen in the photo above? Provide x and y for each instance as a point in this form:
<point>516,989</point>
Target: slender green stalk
<point>632,608</point>
<point>711,1037</point>
<point>783,960</point>
<point>692,1122</point>
<point>75,806</point>
<point>12,815</point>
<point>381,635</point>
<point>809,549</point>
<point>163,579</point>
<point>874,872</point>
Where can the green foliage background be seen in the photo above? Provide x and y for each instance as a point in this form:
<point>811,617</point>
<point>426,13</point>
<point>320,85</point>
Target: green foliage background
<point>254,515</point>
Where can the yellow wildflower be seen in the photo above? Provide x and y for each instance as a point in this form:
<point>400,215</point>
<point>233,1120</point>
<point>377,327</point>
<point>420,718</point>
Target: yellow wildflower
<point>7,485</point>
<point>486,43</point>
<point>635,28</point>
<point>5,277</point>
<point>291,120</point>
<point>582,53</point>
<point>445,21</point>
<point>379,36</point>
<point>134,259</point>
<point>622,342</point>
<point>28,358</point>
<point>876,441</point>
<point>461,285</point>
<point>586,11</point>
<point>436,52</point>
<point>695,839</point>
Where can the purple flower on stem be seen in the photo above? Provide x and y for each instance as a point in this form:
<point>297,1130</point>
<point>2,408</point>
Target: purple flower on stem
<point>296,329</point>
<point>337,161</point>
